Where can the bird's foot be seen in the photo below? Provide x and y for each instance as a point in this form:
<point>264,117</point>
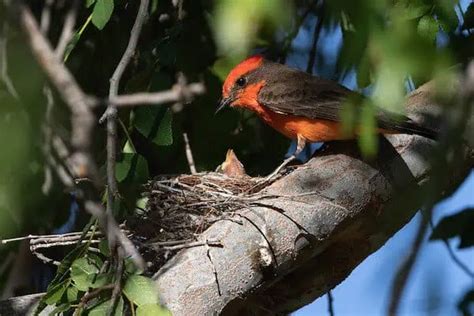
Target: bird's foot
<point>275,172</point>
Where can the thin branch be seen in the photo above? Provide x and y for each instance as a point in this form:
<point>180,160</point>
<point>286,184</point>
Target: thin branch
<point>111,112</point>
<point>189,154</point>
<point>4,62</point>
<point>317,31</point>
<point>117,285</point>
<point>330,303</point>
<point>175,94</point>
<point>82,119</point>
<point>46,17</point>
<point>453,256</point>
<point>47,134</point>
<point>68,29</point>
<point>294,32</point>
<point>406,267</point>
<point>209,242</point>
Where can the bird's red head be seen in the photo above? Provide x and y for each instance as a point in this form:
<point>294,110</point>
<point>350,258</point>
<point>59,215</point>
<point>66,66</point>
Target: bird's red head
<point>236,84</point>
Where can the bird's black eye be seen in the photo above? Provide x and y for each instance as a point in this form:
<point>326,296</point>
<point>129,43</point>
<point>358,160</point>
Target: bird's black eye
<point>241,81</point>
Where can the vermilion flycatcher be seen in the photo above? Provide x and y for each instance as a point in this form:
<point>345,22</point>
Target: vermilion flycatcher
<point>300,106</point>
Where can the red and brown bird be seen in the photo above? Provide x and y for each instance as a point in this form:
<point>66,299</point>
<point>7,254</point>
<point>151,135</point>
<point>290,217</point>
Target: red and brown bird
<point>300,106</point>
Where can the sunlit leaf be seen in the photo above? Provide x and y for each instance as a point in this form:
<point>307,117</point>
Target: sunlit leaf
<point>60,309</point>
<point>72,293</point>
<point>103,308</point>
<point>152,310</point>
<point>411,9</point>
<point>368,127</point>
<point>89,3</point>
<point>102,12</point>
<point>140,290</point>
<point>428,27</point>
<point>55,294</point>
<point>237,22</point>
<point>83,273</point>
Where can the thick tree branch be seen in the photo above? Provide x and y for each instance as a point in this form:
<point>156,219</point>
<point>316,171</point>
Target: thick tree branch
<point>316,240</point>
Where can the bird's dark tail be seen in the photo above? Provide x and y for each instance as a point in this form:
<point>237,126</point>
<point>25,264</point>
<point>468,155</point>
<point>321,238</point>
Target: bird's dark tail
<point>410,127</point>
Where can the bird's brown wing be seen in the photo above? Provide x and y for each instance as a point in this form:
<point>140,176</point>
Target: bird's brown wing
<point>297,93</point>
<point>304,95</point>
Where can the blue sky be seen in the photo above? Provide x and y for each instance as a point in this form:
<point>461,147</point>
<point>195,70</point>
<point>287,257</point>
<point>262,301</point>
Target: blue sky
<point>436,282</point>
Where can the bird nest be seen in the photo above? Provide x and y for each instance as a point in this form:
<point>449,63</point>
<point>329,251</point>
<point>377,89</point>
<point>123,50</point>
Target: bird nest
<point>178,209</point>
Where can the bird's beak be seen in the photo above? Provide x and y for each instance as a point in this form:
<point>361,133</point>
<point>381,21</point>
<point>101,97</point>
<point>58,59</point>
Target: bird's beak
<point>223,103</point>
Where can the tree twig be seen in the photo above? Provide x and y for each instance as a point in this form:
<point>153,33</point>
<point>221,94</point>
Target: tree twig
<point>4,61</point>
<point>189,154</point>
<point>111,112</point>
<point>46,17</point>
<point>175,94</point>
<point>67,31</point>
<point>406,267</point>
<point>317,31</point>
<point>330,303</point>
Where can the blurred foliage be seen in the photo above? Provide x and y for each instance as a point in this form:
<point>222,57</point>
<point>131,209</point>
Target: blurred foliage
<point>387,45</point>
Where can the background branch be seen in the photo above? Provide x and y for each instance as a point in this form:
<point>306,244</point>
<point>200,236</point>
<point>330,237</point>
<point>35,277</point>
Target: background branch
<point>111,113</point>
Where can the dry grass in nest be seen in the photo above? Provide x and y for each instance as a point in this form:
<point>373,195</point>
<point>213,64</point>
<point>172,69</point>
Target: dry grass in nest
<point>180,208</point>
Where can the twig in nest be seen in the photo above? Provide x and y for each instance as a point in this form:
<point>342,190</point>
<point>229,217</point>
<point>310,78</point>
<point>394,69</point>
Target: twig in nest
<point>186,244</point>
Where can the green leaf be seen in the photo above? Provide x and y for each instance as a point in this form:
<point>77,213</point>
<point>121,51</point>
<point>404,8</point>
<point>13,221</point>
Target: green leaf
<point>411,9</point>
<point>144,119</point>
<point>460,224</point>
<point>468,17</point>
<point>223,66</point>
<point>140,290</point>
<point>363,72</point>
<point>122,168</point>
<point>134,166</point>
<point>237,22</point>
<point>102,12</point>
<point>140,170</point>
<point>89,3</point>
<point>128,148</point>
<point>104,247</point>
<point>155,123</point>
<point>428,28</point>
<point>465,304</point>
<point>60,309</point>
<point>83,273</point>
<point>152,310</point>
<point>154,6</point>
<point>368,136</point>
<point>72,294</point>
<point>55,294</point>
<point>103,308</point>
<point>164,136</point>
<point>131,268</point>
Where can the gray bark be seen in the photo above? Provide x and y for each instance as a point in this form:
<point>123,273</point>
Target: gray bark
<point>291,251</point>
